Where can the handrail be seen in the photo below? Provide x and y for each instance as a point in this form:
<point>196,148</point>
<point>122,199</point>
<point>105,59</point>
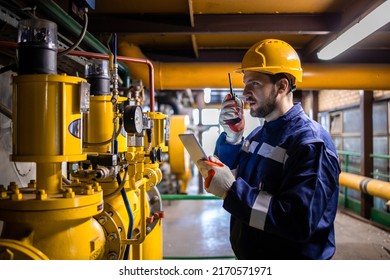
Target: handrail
<point>357,154</point>
<point>348,153</point>
<point>348,168</point>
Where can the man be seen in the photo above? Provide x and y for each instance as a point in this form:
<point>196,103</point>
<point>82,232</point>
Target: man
<point>283,195</point>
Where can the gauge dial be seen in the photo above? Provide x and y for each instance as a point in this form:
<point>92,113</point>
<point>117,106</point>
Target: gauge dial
<point>133,119</point>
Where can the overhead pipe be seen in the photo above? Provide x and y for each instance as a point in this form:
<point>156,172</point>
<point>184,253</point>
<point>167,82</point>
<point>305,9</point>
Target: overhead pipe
<point>366,185</point>
<point>316,76</point>
<point>107,57</point>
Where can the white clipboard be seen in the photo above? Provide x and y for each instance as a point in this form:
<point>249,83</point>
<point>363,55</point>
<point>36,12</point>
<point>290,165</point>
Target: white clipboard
<point>193,147</point>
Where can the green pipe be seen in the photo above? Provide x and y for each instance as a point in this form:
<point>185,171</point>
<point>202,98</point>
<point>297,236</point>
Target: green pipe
<point>379,174</point>
<point>188,197</point>
<point>346,163</point>
<point>357,154</point>
<point>65,20</point>
<point>380,156</point>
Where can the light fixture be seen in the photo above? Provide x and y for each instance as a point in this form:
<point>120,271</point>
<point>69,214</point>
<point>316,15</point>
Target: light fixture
<point>207,95</point>
<point>369,24</point>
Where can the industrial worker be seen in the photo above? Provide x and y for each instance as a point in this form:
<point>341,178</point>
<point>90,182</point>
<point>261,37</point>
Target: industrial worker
<point>280,183</point>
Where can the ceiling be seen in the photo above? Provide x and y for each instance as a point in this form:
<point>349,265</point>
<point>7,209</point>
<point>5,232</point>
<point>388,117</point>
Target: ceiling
<point>214,34</point>
<point>222,30</point>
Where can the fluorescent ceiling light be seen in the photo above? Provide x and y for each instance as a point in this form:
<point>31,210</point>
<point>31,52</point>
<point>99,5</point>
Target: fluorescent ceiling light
<point>372,22</point>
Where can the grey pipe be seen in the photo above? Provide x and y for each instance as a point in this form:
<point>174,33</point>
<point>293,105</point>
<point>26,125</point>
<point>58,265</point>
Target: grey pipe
<point>5,111</point>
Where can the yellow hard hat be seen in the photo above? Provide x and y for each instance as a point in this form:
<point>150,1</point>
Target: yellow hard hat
<point>272,56</point>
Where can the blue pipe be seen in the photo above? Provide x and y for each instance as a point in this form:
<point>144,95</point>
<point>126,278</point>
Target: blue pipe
<point>129,212</point>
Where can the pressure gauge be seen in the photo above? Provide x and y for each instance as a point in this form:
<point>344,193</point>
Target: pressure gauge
<point>132,119</point>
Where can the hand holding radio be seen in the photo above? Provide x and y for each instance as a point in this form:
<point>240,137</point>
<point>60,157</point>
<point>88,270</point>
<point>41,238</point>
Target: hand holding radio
<point>231,117</point>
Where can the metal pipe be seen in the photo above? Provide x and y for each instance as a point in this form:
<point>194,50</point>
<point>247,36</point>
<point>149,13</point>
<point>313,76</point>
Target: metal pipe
<point>5,111</point>
<point>126,59</point>
<point>49,177</point>
<point>315,75</point>
<point>13,45</point>
<point>366,185</point>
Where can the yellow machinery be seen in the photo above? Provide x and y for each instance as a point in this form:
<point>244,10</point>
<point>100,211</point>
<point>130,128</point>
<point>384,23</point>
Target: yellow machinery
<point>105,205</point>
<point>179,159</point>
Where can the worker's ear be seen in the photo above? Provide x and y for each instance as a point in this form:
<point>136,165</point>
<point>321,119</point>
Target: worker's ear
<point>283,85</point>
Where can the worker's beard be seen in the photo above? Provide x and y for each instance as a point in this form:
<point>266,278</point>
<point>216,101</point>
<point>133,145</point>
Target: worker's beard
<point>266,107</point>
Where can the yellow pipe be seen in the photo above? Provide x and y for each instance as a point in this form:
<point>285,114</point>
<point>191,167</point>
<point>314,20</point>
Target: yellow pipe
<point>47,118</point>
<point>214,75</point>
<point>49,177</point>
<point>365,184</point>
<point>18,250</point>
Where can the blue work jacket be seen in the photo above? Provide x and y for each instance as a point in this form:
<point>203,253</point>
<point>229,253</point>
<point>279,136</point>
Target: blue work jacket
<point>284,200</point>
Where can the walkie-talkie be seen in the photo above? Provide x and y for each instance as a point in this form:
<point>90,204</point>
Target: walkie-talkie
<point>238,119</point>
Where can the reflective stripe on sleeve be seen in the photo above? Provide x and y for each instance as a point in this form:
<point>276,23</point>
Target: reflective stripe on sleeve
<point>253,146</point>
<point>260,210</point>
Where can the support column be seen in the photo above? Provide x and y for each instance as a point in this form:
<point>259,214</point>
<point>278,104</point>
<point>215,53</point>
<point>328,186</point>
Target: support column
<point>314,104</point>
<point>201,106</point>
<point>49,177</point>
<point>366,148</point>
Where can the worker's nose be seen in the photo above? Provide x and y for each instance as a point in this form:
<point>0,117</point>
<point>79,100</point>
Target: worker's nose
<point>246,91</point>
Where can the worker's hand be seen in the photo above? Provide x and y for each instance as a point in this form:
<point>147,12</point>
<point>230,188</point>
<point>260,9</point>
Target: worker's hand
<point>232,119</point>
<point>218,177</point>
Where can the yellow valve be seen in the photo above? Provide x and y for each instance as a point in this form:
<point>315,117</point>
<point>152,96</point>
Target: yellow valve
<point>48,123</point>
<point>99,126</point>
<point>158,134</point>
<point>153,175</point>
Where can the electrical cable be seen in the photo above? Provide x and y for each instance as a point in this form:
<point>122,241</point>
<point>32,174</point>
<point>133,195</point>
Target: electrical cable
<point>104,142</point>
<point>84,31</point>
<point>10,67</point>
<point>66,181</point>
<point>118,190</point>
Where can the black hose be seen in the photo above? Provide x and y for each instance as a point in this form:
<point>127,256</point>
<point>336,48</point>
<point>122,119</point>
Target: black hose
<point>64,52</point>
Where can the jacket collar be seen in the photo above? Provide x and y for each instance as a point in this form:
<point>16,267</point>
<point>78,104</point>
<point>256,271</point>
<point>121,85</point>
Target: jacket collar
<point>292,113</point>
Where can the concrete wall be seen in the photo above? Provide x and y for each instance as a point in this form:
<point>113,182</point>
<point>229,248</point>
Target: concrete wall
<point>19,172</point>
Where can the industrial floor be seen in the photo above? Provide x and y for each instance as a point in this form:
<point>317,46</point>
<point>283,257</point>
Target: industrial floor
<point>199,229</point>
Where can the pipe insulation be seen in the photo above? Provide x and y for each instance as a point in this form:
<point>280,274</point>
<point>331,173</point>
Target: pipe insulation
<point>199,75</point>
